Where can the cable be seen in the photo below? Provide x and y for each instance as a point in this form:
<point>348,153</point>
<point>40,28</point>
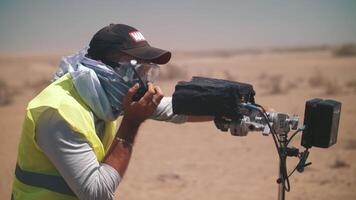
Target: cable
<point>295,133</point>
<point>292,136</point>
<point>290,174</point>
<point>283,159</point>
<point>265,113</point>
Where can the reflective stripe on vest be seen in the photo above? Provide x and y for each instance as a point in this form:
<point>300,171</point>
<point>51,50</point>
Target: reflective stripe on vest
<point>49,182</point>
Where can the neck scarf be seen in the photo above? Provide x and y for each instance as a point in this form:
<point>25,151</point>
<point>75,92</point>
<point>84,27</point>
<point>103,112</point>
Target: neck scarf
<point>98,85</point>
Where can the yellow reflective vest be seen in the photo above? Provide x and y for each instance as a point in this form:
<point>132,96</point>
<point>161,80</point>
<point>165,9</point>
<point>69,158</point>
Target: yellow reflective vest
<point>35,176</point>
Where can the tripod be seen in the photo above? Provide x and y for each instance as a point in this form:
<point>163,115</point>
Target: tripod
<point>281,186</point>
<point>285,152</point>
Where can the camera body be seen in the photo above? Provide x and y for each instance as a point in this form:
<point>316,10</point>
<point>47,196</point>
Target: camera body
<point>211,97</point>
<point>321,120</point>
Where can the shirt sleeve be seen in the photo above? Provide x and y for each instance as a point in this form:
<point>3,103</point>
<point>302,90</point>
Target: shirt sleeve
<point>164,112</point>
<point>74,158</point>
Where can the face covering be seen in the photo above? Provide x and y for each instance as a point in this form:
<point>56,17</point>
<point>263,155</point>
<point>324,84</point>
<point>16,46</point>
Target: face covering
<point>101,86</point>
<point>114,86</point>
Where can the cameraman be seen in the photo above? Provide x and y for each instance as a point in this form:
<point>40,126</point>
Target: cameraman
<point>69,148</point>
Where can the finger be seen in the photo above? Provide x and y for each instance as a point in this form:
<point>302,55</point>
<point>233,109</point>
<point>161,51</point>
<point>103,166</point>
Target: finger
<point>150,88</point>
<point>158,95</point>
<point>131,92</point>
<point>147,97</point>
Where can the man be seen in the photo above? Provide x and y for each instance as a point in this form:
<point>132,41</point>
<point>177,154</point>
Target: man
<point>69,147</point>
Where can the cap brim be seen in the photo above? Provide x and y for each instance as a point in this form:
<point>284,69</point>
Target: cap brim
<point>152,54</point>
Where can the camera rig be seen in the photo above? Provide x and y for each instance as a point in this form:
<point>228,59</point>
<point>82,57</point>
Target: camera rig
<point>234,108</point>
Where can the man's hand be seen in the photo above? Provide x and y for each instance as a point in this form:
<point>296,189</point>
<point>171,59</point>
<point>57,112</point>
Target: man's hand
<point>137,112</point>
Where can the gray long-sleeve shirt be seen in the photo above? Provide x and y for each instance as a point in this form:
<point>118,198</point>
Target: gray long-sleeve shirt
<point>76,161</point>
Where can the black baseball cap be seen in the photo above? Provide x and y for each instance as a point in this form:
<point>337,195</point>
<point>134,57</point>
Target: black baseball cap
<point>126,39</point>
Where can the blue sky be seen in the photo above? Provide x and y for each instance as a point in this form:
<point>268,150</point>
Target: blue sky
<point>43,26</point>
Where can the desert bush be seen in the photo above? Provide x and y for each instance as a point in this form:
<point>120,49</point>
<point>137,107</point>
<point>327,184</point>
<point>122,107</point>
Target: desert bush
<point>172,72</point>
<point>339,164</point>
<point>352,84</point>
<point>37,85</point>
<point>6,95</point>
<point>292,85</point>
<point>351,144</point>
<point>345,50</point>
<point>332,88</point>
<point>317,79</point>
<point>263,76</point>
<point>229,76</point>
<point>276,84</point>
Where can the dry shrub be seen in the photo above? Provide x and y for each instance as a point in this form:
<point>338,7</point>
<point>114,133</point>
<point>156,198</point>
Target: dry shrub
<point>263,76</point>
<point>345,50</point>
<point>292,85</point>
<point>352,84</point>
<point>172,72</point>
<point>168,177</point>
<point>39,84</point>
<point>350,145</point>
<point>229,76</point>
<point>276,84</point>
<point>332,88</point>
<point>7,93</point>
<point>273,84</point>
<point>5,96</point>
<point>339,164</point>
<point>317,79</point>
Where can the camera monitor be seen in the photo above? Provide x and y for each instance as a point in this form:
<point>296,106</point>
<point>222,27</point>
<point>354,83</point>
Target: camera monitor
<point>321,120</point>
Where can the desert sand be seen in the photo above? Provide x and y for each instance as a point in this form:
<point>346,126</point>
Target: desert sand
<point>196,160</point>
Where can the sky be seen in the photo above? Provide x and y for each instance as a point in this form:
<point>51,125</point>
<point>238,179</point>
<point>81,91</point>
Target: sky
<point>49,26</point>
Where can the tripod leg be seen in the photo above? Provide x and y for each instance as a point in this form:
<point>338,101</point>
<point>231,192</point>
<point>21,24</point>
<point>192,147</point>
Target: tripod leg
<point>281,190</point>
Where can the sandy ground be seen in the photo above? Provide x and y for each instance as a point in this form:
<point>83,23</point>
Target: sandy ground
<point>197,161</point>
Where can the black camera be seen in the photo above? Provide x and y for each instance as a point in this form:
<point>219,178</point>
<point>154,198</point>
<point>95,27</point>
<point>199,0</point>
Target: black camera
<point>321,120</point>
<point>211,97</point>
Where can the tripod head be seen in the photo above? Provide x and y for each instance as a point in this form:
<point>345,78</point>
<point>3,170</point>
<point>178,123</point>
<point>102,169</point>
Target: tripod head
<point>254,121</point>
